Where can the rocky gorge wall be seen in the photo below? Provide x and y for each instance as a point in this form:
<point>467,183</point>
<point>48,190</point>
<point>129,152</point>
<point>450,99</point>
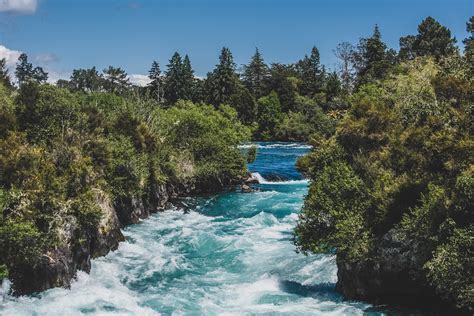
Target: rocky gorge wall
<point>76,247</point>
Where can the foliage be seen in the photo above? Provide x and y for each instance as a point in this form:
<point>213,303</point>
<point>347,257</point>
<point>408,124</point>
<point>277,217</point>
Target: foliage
<point>400,161</point>
<point>26,73</point>
<point>5,79</point>
<point>268,115</point>
<point>59,148</point>
<point>311,74</point>
<point>255,75</point>
<point>251,154</point>
<point>372,60</point>
<point>222,82</point>
<point>433,39</point>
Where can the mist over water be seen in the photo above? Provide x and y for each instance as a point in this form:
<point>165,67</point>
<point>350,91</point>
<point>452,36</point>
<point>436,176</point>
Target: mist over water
<point>224,254</point>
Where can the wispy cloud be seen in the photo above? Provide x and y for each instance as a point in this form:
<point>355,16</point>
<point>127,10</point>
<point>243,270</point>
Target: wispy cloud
<point>19,6</point>
<point>46,58</point>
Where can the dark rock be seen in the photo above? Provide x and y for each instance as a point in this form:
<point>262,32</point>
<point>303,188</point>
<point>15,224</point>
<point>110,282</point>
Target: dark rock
<point>73,252</point>
<point>393,274</point>
<point>246,188</point>
<point>77,245</point>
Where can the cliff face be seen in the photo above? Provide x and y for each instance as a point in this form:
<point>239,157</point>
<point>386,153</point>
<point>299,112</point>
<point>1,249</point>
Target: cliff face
<point>73,251</point>
<point>75,247</point>
<point>393,274</point>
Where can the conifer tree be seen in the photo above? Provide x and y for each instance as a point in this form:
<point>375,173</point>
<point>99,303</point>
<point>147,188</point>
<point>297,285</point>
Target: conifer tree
<point>25,72</point>
<point>156,83</point>
<point>433,39</point>
<point>222,82</point>
<point>86,80</point>
<point>116,80</point>
<point>174,86</point>
<point>187,74</point>
<point>311,74</point>
<point>372,61</point>
<point>255,75</point>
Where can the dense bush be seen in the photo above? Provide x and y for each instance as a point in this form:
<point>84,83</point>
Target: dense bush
<point>400,161</point>
<point>60,147</point>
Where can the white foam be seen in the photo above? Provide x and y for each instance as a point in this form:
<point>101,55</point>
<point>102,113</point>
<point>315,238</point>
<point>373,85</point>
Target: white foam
<point>261,180</point>
<point>277,145</point>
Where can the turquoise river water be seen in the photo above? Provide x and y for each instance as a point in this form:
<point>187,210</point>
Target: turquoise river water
<point>224,254</point>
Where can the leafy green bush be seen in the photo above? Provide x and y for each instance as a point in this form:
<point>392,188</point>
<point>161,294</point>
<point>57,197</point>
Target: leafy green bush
<point>400,164</point>
<point>67,146</point>
<point>251,154</point>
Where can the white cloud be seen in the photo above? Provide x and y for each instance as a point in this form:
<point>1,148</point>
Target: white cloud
<point>139,80</point>
<point>54,75</point>
<point>44,60</point>
<point>10,55</point>
<point>19,6</point>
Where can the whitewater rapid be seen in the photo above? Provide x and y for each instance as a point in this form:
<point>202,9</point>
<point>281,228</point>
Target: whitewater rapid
<point>225,254</point>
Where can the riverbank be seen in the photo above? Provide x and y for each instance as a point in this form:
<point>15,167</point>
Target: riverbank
<point>76,167</point>
<point>225,253</point>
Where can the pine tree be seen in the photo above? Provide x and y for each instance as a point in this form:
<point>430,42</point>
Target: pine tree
<point>372,61</point>
<point>116,80</point>
<point>87,80</point>
<point>173,86</point>
<point>187,74</point>
<point>311,74</point>
<point>156,83</point>
<point>433,39</point>
<point>255,75</point>
<point>284,81</point>
<point>25,72</point>
<point>222,82</point>
<point>4,76</point>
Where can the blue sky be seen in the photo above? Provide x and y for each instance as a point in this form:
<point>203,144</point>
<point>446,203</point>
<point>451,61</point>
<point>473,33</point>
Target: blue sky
<point>65,34</point>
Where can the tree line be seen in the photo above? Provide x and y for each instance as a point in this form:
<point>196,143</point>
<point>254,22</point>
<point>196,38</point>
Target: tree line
<point>272,98</point>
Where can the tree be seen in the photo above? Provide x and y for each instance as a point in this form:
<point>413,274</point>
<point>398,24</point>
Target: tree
<point>187,74</point>
<point>156,83</point>
<point>255,75</point>
<point>222,82</point>
<point>87,80</point>
<point>116,80</point>
<point>433,39</point>
<point>199,91</point>
<point>469,45</point>
<point>371,60</point>
<point>284,81</point>
<point>269,114</point>
<point>407,49</point>
<point>4,76</point>
<point>244,102</point>
<point>345,52</point>
<point>174,84</point>
<point>25,72</point>
<point>311,74</point>
<point>333,86</point>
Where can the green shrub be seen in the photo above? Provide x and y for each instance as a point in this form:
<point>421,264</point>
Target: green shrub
<point>251,154</point>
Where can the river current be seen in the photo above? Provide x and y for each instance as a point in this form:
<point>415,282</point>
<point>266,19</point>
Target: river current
<point>223,254</point>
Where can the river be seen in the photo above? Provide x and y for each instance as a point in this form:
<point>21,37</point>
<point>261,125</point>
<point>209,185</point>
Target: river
<point>224,254</point>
